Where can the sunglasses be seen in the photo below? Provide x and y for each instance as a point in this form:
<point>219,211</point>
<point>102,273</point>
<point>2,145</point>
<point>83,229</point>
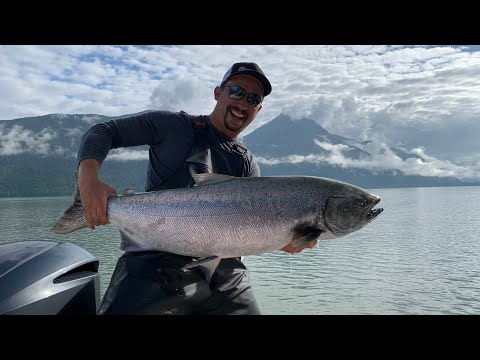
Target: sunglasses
<point>237,93</point>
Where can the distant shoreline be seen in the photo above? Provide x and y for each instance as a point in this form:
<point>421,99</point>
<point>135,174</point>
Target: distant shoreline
<point>370,188</point>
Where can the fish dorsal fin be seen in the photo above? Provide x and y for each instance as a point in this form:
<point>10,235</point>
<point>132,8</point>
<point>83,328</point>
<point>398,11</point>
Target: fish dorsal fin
<point>128,192</point>
<point>211,178</point>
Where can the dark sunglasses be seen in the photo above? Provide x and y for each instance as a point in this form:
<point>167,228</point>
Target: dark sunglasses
<point>237,93</point>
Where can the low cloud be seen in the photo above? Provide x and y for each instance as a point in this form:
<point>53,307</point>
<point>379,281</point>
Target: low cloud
<point>382,159</point>
<point>90,119</point>
<point>18,140</point>
<point>74,132</point>
<point>127,155</point>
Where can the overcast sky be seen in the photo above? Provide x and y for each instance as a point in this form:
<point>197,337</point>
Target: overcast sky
<point>424,99</point>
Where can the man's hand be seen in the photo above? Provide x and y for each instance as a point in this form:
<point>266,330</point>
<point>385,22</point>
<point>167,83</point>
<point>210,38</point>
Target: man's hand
<point>293,250</point>
<point>93,193</point>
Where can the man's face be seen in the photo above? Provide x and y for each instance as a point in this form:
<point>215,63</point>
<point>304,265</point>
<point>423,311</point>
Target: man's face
<point>232,115</point>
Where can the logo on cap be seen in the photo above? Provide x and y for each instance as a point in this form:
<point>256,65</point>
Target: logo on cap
<point>241,68</point>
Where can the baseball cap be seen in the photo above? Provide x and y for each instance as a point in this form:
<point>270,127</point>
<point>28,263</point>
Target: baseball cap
<point>251,69</point>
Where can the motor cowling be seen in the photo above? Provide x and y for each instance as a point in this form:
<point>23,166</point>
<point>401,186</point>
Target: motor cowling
<point>48,278</point>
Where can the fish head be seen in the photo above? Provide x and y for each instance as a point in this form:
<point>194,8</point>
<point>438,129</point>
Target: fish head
<point>346,213</point>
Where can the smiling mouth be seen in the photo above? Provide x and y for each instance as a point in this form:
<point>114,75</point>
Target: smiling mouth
<point>237,114</point>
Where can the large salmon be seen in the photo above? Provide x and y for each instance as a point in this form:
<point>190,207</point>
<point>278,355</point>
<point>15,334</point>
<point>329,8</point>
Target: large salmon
<point>224,216</point>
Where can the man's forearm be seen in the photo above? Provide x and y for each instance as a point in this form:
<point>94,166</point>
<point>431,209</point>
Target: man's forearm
<point>88,169</point>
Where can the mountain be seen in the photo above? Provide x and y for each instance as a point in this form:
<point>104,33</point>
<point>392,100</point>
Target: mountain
<point>285,146</point>
<point>38,156</point>
<point>283,136</point>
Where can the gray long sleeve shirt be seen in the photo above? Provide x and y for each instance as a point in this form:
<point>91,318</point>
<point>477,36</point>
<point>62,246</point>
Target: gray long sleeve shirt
<point>179,144</point>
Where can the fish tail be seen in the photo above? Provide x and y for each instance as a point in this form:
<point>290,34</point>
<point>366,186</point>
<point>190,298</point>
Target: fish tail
<point>73,218</point>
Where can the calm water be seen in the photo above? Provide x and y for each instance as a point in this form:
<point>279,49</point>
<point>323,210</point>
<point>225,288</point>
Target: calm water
<point>420,256</point>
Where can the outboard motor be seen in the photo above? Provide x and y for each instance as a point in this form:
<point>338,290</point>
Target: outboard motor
<point>48,278</point>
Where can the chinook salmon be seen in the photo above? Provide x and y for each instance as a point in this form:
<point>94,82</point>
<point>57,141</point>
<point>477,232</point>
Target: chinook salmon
<point>224,216</point>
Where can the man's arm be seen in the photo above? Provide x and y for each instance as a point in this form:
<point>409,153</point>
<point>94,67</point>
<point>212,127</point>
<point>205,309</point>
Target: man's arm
<point>144,129</point>
<point>93,193</point>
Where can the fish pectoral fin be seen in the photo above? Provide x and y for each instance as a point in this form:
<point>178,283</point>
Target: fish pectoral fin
<point>211,178</point>
<point>305,233</point>
<point>207,264</point>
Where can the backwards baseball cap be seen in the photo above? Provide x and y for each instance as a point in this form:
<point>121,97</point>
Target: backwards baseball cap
<point>251,69</point>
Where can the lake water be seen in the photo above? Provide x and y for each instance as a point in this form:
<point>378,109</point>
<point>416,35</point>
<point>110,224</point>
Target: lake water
<point>420,256</point>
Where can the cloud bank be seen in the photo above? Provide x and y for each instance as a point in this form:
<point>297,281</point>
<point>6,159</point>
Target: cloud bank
<point>423,97</point>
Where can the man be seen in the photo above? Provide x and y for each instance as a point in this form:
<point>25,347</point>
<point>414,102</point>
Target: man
<point>152,282</point>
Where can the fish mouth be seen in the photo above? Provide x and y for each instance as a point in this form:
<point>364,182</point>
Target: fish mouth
<point>373,213</point>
